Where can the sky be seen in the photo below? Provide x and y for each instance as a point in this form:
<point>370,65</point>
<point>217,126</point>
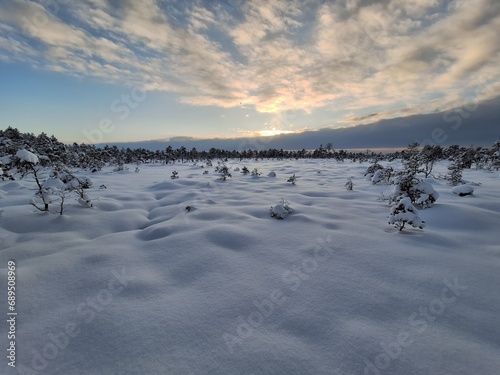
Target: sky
<point>118,71</point>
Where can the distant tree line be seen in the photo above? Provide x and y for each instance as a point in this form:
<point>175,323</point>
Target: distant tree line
<point>55,153</point>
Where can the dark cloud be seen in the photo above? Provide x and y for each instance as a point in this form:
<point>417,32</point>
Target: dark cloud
<point>463,126</point>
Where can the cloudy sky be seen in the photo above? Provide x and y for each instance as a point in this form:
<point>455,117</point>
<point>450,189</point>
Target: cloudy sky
<point>111,70</point>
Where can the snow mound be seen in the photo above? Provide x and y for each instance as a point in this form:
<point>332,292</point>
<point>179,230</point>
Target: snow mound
<point>463,190</point>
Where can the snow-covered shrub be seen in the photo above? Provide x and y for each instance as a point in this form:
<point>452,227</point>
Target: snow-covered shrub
<point>403,212</point>
<point>174,175</point>
<point>292,179</point>
<point>25,162</point>
<point>349,184</point>
<point>370,171</point>
<point>382,175</point>
<point>255,172</point>
<point>224,173</point>
<point>281,210</point>
<point>271,174</point>
<point>455,174</point>
<point>463,190</point>
<point>245,170</point>
<point>79,185</point>
<point>421,193</point>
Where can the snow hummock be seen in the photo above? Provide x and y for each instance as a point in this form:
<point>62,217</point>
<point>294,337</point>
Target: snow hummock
<point>463,190</point>
<point>27,156</point>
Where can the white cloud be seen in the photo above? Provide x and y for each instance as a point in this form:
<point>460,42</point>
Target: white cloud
<point>271,55</point>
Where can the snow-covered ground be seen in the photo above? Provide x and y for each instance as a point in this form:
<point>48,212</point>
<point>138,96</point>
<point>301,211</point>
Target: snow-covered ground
<point>139,284</point>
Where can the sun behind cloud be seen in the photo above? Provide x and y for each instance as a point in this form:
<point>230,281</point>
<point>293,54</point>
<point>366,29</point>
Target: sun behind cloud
<point>273,131</point>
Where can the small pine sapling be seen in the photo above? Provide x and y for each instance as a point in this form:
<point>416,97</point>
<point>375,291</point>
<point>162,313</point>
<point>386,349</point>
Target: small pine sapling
<point>349,184</point>
<point>455,174</point>
<point>292,179</point>
<point>403,212</point>
<point>224,173</point>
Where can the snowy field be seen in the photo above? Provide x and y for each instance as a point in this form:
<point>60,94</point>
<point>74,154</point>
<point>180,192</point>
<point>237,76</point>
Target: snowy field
<point>138,284</point>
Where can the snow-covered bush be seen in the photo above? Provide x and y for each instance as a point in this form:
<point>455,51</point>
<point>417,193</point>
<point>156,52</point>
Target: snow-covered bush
<point>224,173</point>
<point>349,184</point>
<point>292,179</point>
<point>245,170</point>
<point>421,193</point>
<point>79,185</point>
<point>425,195</point>
<point>403,212</point>
<point>271,174</point>
<point>455,174</point>
<point>370,171</point>
<point>255,172</point>
<point>174,175</point>
<point>281,210</point>
<point>382,175</point>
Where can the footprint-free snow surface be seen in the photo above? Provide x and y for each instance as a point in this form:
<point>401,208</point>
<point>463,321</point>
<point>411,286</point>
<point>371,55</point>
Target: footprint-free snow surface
<point>143,284</point>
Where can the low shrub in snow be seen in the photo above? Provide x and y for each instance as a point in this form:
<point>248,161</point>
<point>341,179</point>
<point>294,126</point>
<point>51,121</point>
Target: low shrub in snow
<point>174,175</point>
<point>402,212</point>
<point>292,179</point>
<point>224,173</point>
<point>455,174</point>
<point>281,210</point>
<point>349,184</point>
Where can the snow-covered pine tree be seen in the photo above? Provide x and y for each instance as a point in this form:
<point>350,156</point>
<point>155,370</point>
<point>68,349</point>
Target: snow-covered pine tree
<point>292,179</point>
<point>421,193</point>
<point>402,212</point>
<point>349,184</point>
